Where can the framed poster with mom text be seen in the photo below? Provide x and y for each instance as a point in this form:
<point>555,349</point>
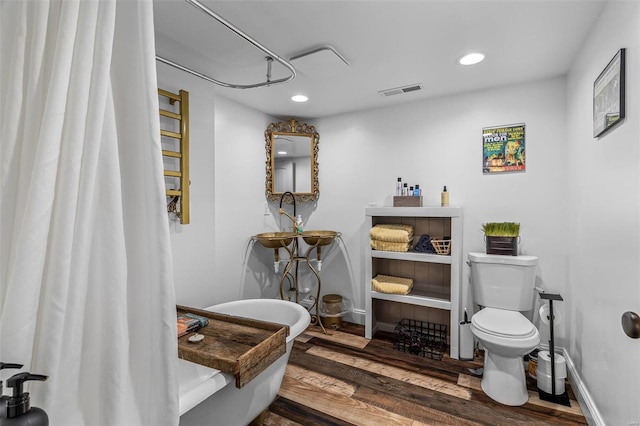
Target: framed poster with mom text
<point>608,96</point>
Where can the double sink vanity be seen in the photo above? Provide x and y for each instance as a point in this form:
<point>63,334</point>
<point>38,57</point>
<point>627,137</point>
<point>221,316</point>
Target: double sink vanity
<point>274,240</point>
<point>289,241</point>
<point>292,175</point>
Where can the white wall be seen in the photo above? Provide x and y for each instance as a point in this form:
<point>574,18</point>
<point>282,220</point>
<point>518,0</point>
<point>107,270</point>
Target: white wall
<point>604,211</point>
<point>239,203</point>
<point>192,243</point>
<point>432,143</point>
<point>439,142</point>
<point>227,192</point>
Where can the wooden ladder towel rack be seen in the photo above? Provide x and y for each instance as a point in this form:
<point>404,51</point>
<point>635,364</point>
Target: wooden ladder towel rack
<point>181,175</point>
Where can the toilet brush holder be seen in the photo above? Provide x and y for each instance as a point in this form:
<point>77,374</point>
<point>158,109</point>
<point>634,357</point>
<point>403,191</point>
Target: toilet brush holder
<point>466,338</point>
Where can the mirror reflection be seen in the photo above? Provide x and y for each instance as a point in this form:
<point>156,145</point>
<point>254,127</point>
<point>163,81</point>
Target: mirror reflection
<point>291,163</point>
<point>291,160</point>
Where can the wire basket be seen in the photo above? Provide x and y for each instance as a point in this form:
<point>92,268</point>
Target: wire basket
<point>421,338</point>
<point>442,247</point>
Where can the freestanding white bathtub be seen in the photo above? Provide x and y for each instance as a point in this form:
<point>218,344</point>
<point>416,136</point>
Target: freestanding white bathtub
<point>210,397</point>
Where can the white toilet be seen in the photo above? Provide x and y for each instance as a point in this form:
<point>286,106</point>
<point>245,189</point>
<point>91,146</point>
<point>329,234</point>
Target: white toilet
<point>503,286</point>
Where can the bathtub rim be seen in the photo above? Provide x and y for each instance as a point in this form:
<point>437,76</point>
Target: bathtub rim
<point>295,329</point>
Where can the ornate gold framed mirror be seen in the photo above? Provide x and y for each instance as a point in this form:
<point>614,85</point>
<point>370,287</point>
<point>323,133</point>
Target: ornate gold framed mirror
<point>292,161</point>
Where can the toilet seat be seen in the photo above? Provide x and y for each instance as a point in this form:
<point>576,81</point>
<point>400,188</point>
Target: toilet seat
<point>503,323</point>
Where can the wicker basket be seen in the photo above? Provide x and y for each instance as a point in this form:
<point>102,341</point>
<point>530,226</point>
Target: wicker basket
<point>442,247</point>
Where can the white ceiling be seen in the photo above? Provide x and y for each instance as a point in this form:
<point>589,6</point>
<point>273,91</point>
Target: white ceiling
<point>386,43</point>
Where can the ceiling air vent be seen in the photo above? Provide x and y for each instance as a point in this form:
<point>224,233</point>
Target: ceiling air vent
<point>401,90</point>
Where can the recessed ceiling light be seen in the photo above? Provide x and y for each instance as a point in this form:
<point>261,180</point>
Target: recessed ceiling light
<point>282,152</point>
<point>299,98</point>
<point>471,59</point>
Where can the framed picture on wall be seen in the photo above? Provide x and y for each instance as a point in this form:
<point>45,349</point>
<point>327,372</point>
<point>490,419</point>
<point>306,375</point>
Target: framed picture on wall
<point>503,149</point>
<point>608,96</point>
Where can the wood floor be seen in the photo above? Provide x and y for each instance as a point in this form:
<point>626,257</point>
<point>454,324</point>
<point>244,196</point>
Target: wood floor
<point>345,379</point>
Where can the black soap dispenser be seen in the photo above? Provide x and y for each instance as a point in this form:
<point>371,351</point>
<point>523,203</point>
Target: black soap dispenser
<point>19,410</point>
<point>4,398</point>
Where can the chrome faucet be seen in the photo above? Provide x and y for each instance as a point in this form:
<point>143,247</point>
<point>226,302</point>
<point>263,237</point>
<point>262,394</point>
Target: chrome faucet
<point>281,211</point>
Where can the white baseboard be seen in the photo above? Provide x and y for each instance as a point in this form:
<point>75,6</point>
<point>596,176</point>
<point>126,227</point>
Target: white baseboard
<point>587,404</point>
<point>356,316</point>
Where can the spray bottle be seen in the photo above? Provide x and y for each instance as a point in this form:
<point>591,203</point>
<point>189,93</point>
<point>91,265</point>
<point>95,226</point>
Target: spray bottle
<point>19,409</point>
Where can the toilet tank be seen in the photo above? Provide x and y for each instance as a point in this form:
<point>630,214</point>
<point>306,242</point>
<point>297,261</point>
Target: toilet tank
<point>503,282</point>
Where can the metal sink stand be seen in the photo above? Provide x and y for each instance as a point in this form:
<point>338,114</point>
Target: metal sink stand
<point>292,277</point>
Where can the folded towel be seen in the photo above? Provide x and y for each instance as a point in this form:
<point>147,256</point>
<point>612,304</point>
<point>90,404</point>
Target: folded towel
<point>424,245</point>
<point>393,233</point>
<point>391,285</point>
<point>387,246</point>
<point>190,322</point>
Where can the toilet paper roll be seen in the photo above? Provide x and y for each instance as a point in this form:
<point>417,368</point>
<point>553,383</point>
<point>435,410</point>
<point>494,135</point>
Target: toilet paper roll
<point>544,364</point>
<point>545,315</point>
<point>544,383</point>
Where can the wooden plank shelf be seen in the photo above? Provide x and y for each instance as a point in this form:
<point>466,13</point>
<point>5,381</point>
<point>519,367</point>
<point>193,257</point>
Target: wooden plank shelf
<point>242,347</point>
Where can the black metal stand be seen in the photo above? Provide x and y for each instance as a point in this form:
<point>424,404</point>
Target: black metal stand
<point>552,397</point>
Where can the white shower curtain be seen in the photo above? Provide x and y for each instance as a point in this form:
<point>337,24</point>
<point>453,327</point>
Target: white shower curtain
<point>86,278</point>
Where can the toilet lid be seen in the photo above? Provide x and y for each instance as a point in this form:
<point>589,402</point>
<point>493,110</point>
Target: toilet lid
<point>500,322</point>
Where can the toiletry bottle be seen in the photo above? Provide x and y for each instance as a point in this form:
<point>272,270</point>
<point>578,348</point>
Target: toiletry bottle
<point>405,190</point>
<point>299,224</point>
<point>410,191</point>
<point>19,409</point>
<point>5,398</point>
<point>444,197</point>
<point>399,187</point>
<point>417,191</point>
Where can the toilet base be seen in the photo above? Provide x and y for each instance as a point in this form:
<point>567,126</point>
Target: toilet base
<point>503,379</point>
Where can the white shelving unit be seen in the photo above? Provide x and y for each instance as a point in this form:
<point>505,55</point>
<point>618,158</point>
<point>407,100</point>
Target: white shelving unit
<point>436,277</point>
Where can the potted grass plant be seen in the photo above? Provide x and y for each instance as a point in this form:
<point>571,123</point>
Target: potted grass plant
<point>502,237</point>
